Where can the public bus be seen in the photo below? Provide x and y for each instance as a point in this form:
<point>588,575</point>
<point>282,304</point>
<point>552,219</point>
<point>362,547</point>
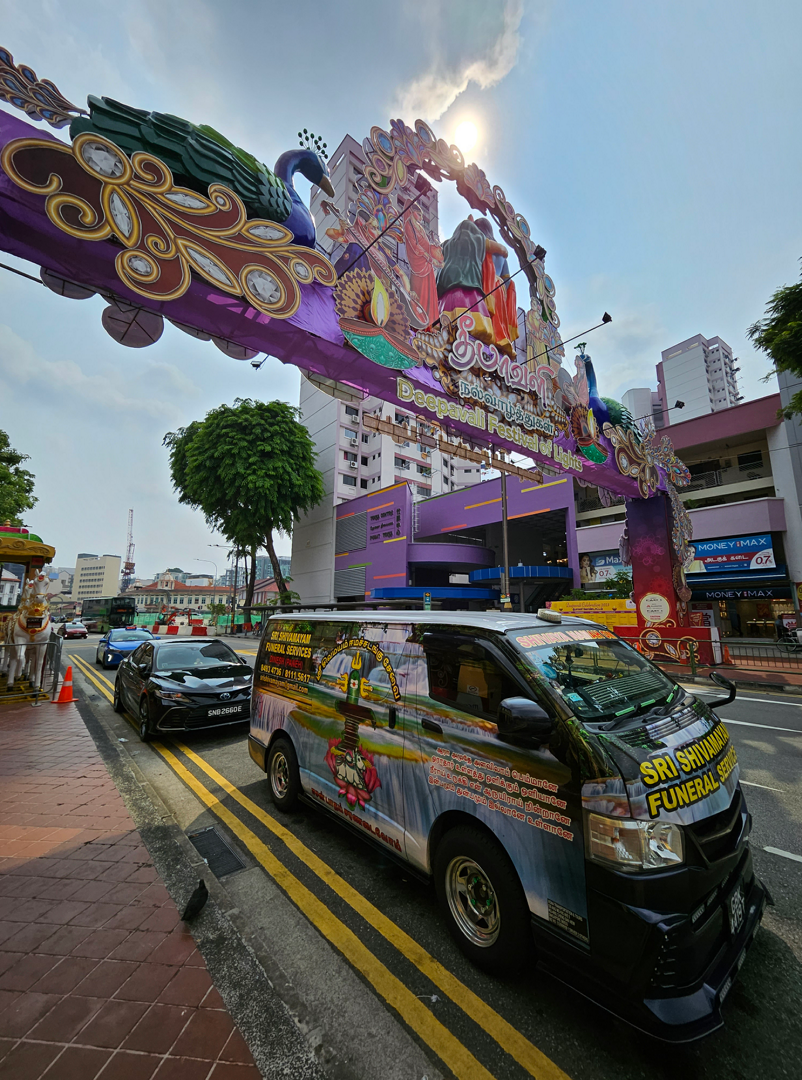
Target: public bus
<point>103,613</point>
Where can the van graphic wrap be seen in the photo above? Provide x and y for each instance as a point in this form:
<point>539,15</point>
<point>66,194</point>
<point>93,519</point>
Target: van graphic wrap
<point>529,799</point>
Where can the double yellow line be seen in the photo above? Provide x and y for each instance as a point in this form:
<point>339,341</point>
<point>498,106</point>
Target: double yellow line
<point>458,1058</point>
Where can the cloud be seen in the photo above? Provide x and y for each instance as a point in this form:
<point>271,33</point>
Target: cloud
<point>486,63</point>
<point>146,390</point>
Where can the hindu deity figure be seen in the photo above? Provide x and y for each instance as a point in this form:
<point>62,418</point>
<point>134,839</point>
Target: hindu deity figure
<point>465,279</point>
<point>424,256</point>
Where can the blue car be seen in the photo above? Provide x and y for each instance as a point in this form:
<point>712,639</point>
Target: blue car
<point>116,644</point>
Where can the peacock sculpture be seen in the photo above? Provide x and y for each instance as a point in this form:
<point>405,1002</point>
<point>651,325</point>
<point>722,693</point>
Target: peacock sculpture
<point>605,410</point>
<point>199,156</point>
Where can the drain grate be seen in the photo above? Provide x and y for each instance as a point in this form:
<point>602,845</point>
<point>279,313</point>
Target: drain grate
<point>211,846</point>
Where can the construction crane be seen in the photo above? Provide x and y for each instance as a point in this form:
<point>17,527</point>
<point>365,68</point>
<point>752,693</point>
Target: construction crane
<point>128,565</point>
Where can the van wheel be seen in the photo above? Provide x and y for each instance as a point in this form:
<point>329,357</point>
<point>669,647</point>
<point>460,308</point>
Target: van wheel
<point>482,900</point>
<point>283,774</point>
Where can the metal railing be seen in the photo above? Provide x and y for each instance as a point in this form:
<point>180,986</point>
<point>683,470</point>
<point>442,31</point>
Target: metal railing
<point>785,655</point>
<point>734,475</point>
<point>29,672</point>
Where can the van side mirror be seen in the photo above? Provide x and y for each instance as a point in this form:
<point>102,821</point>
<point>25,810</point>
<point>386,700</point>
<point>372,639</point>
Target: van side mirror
<point>521,720</point>
<point>725,684</point>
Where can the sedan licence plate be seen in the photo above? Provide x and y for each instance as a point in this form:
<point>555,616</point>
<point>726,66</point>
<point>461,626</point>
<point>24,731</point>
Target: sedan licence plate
<point>228,710</point>
<point>736,909</point>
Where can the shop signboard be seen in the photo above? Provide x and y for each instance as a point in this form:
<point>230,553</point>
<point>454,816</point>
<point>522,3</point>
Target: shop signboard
<point>737,553</point>
<point>597,567</point>
<point>767,592</point>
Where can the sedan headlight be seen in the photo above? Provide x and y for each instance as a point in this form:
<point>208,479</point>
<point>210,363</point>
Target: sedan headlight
<point>634,845</point>
<point>168,696</point>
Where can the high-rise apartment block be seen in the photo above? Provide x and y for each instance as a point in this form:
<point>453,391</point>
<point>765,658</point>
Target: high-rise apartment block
<point>353,459</point>
<point>701,372</point>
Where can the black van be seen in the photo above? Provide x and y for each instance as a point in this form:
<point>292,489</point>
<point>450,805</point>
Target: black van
<point>560,789</point>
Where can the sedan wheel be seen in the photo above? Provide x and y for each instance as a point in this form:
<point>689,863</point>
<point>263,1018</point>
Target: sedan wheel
<point>117,704</point>
<point>145,732</point>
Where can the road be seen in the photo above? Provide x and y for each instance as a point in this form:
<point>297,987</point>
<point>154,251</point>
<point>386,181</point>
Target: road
<point>356,948</point>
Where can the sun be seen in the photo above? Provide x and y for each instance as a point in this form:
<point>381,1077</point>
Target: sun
<point>466,135</point>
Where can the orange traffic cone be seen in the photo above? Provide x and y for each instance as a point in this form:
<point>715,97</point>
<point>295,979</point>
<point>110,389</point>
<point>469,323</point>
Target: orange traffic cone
<point>65,694</point>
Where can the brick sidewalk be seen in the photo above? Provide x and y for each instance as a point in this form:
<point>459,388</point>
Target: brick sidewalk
<point>98,976</point>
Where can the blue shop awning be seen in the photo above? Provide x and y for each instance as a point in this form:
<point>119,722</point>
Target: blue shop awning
<point>529,573</point>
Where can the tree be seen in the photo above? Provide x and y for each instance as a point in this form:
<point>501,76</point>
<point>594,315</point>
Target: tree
<point>779,334</point>
<point>622,585</point>
<point>250,468</point>
<point>16,484</point>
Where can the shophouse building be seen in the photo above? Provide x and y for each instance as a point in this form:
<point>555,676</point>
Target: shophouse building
<point>744,503</point>
<point>170,595</point>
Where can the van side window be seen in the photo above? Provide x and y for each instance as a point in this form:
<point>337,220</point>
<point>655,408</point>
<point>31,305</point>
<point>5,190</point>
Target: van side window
<point>468,678</point>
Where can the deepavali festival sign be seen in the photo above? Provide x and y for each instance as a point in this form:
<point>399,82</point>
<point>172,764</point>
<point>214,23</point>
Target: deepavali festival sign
<point>166,219</point>
<point>163,218</point>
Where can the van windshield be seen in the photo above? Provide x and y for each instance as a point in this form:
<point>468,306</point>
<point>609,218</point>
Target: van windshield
<point>599,676</point>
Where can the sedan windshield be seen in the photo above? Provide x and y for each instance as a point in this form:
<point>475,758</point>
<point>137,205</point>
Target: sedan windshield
<point>129,635</point>
<point>599,676</point>
<point>192,657</point>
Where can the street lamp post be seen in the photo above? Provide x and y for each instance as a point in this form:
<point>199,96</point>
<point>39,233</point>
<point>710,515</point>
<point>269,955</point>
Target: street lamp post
<point>214,579</point>
<point>229,553</point>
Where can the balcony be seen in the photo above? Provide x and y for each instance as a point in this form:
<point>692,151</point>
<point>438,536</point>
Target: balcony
<point>587,503</point>
<point>736,474</point>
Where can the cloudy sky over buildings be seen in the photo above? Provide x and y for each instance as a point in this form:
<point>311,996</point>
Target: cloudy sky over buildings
<point>654,149</point>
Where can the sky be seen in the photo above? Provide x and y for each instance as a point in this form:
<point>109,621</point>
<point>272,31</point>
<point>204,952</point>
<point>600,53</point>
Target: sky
<point>654,148</point>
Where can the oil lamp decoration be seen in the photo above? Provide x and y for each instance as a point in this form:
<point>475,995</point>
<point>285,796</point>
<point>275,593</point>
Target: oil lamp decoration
<point>373,321</point>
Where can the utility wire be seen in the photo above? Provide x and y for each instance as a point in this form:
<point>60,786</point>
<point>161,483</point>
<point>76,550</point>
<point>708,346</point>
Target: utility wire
<point>21,273</point>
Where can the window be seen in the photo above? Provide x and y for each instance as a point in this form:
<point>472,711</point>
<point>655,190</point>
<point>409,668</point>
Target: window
<point>353,413</point>
<point>363,483</point>
<point>365,438</point>
<point>364,459</point>
<point>349,434</point>
<point>349,456</point>
<point>423,490</point>
<point>400,463</point>
<point>467,677</point>
<point>349,481</point>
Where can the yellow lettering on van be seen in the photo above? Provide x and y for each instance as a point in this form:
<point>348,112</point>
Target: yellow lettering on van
<point>654,798</point>
<point>649,773</point>
<point>666,768</point>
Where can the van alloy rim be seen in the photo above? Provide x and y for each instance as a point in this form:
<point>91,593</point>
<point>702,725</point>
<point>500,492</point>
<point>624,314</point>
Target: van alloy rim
<point>279,774</point>
<point>472,901</point>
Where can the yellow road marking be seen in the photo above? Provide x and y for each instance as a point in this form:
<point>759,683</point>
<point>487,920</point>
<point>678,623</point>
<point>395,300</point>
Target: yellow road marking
<point>447,1047</point>
<point>246,652</point>
<point>509,1038</point>
<point>87,672</point>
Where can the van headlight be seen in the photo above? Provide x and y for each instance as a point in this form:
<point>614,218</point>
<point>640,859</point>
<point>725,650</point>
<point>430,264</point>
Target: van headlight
<point>634,845</point>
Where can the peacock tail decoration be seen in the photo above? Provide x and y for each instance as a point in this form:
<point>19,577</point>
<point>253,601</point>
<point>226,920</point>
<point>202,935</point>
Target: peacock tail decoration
<point>199,156</point>
<point>196,154</point>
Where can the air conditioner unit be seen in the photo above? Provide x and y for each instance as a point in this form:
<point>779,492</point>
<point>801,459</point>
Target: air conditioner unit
<point>353,442</point>
<point>352,464</point>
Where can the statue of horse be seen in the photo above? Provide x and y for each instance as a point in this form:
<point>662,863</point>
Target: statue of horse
<point>29,630</point>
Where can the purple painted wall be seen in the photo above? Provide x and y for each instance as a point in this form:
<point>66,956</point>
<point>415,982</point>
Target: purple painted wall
<point>391,549</point>
<point>709,523</point>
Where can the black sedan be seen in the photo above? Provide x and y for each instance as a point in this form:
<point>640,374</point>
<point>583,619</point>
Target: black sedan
<point>183,685</point>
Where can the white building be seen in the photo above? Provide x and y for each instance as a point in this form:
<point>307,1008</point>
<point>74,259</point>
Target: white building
<point>9,588</point>
<point>352,459</point>
<point>96,575</point>
<point>701,372</point>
